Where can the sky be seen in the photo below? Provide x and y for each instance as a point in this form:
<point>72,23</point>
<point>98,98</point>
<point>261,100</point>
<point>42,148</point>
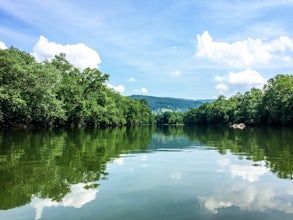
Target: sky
<point>189,49</point>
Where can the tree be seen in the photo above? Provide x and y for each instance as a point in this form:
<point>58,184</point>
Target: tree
<point>274,105</point>
<point>278,100</point>
<point>57,93</point>
<point>27,90</point>
<point>163,118</point>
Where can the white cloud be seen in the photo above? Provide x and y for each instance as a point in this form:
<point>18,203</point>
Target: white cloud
<point>131,80</point>
<point>144,91</point>
<point>247,78</point>
<point>77,198</point>
<point>244,53</point>
<point>2,46</point>
<point>175,73</point>
<point>222,87</point>
<point>287,59</point>
<point>79,54</point>
<point>119,88</point>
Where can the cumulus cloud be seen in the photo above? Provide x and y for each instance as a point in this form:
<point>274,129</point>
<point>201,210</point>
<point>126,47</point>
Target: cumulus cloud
<point>119,88</point>
<point>2,46</point>
<point>175,73</point>
<point>144,91</point>
<point>244,53</point>
<point>79,54</point>
<point>222,87</point>
<point>247,78</point>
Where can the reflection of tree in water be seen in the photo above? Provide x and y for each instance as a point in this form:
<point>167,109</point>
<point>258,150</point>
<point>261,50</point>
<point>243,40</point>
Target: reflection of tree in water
<point>46,164</point>
<point>272,145</point>
<point>170,138</point>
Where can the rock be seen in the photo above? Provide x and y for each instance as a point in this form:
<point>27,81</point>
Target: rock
<point>238,126</point>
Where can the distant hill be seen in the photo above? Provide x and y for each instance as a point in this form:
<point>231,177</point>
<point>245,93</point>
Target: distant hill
<point>162,104</point>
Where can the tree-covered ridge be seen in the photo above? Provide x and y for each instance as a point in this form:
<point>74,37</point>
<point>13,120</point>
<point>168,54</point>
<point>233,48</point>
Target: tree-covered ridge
<point>54,93</point>
<point>273,105</point>
<point>162,104</point>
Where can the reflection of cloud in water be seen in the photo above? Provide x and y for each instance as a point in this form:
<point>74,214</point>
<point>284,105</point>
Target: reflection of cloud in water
<point>176,175</point>
<point>78,197</point>
<point>250,198</point>
<point>119,161</point>
<point>290,191</point>
<point>144,158</point>
<point>246,172</point>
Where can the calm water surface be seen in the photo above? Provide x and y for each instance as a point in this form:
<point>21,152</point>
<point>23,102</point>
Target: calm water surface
<point>147,173</point>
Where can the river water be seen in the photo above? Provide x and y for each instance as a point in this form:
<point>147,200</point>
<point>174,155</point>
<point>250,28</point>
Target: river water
<point>147,173</point>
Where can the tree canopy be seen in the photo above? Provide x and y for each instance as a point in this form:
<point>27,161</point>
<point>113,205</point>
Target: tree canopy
<point>273,105</point>
<point>55,93</point>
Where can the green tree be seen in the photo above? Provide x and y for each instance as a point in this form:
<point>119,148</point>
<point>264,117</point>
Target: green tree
<point>27,92</point>
<point>163,118</point>
<point>278,100</point>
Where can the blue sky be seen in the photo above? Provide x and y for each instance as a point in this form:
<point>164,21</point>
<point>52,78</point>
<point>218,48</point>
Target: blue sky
<point>172,48</point>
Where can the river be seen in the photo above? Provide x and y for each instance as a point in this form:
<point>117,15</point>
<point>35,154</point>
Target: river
<point>147,173</point>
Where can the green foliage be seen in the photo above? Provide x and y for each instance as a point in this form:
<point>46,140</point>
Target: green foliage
<point>273,105</point>
<point>159,105</point>
<point>163,118</point>
<point>176,118</point>
<point>55,93</point>
<point>27,90</point>
<point>169,118</point>
<point>278,100</point>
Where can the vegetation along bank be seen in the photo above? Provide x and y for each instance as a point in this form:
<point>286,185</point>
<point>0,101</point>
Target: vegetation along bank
<point>55,93</point>
<point>272,105</point>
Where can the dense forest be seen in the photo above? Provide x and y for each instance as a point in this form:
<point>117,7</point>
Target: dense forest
<point>55,93</point>
<point>162,104</point>
<point>273,105</point>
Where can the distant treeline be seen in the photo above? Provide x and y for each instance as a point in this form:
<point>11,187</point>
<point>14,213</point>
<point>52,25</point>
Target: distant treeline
<point>55,93</point>
<point>273,105</point>
<point>162,104</point>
